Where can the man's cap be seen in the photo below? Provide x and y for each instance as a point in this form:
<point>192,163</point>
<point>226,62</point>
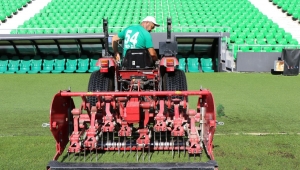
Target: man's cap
<point>151,19</point>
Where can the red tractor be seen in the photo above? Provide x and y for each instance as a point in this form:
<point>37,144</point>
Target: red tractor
<point>136,106</point>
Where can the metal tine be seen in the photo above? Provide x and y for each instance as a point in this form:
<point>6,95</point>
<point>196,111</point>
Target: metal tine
<point>166,139</point>
<point>79,153</point>
<point>130,144</point>
<point>102,136</point>
<point>143,152</point>
<point>84,155</point>
<point>137,155</point>
<point>96,154</point>
<point>172,147</point>
<point>178,146</point>
<point>91,155</point>
<point>124,141</point>
<point>119,145</point>
<point>149,152</point>
<point>184,146</point>
<point>107,138</point>
<point>69,156</point>
<point>194,157</point>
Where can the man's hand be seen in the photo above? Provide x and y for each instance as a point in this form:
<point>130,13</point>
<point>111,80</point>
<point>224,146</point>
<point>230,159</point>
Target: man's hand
<point>117,57</point>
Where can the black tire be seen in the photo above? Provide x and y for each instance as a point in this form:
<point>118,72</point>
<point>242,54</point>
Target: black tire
<point>100,82</point>
<point>175,81</point>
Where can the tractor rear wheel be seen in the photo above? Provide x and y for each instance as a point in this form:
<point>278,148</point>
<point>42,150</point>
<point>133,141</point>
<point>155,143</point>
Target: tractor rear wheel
<point>99,82</point>
<point>175,81</point>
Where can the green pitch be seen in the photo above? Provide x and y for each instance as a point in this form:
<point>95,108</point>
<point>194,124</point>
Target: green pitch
<point>252,102</point>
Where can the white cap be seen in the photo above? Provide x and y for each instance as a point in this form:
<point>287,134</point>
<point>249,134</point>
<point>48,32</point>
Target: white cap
<point>151,19</point>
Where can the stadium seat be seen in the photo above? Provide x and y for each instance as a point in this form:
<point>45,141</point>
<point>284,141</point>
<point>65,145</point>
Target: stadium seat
<point>48,63</point>
<point>36,65</point>
<point>83,64</point>
<point>93,62</point>
<point>182,63</point>
<point>206,65</point>
<point>193,63</point>
<point>3,63</point>
<point>71,64</point>
<point>13,65</point>
<point>24,65</point>
<point>59,64</point>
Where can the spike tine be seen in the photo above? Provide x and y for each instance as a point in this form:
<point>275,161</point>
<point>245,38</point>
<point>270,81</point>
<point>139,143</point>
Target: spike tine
<point>84,155</point>
<point>137,156</point>
<point>91,155</point>
<point>124,144</point>
<point>149,152</point>
<point>130,144</point>
<point>96,155</point>
<point>69,155</point>
<point>79,156</point>
<point>159,136</point>
<point>172,148</point>
<point>118,145</point>
<point>184,146</point>
<point>178,146</point>
<point>143,152</point>
<point>102,141</point>
<point>107,138</point>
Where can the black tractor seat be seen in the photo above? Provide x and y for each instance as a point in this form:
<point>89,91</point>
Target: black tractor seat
<point>137,59</point>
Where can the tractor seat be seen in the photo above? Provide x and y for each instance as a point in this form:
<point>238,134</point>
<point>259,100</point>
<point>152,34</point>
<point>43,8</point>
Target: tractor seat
<point>136,59</point>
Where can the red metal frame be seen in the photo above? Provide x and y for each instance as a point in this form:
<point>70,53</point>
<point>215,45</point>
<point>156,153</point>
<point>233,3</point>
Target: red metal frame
<point>130,114</point>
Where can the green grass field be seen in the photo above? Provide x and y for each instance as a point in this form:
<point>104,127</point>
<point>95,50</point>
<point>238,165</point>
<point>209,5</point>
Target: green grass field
<point>253,102</point>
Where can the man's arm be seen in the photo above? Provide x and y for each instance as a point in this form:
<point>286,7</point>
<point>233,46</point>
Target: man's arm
<point>115,40</point>
<point>152,53</point>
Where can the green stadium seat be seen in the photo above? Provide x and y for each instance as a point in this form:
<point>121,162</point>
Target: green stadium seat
<point>256,48</point>
<point>193,64</point>
<point>24,65</point>
<point>206,65</point>
<point>268,49</point>
<point>13,65</point>
<point>182,63</point>
<point>93,62</point>
<point>36,65</point>
<point>48,64</point>
<point>71,64</point>
<point>3,63</point>
<point>59,64</point>
<point>83,64</point>
<point>244,49</point>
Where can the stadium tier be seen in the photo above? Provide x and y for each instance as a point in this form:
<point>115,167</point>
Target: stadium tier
<point>290,6</point>
<point>239,17</point>
<point>250,30</point>
<point>9,7</point>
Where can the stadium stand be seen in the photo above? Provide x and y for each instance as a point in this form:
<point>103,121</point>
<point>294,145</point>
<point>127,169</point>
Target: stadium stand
<point>291,7</point>
<point>8,8</point>
<point>250,29</point>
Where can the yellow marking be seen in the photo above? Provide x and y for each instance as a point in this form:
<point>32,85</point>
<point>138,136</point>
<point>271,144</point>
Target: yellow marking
<point>89,93</point>
<point>177,92</point>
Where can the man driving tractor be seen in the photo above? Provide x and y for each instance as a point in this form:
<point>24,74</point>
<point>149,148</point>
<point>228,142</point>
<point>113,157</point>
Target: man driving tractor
<point>136,37</point>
